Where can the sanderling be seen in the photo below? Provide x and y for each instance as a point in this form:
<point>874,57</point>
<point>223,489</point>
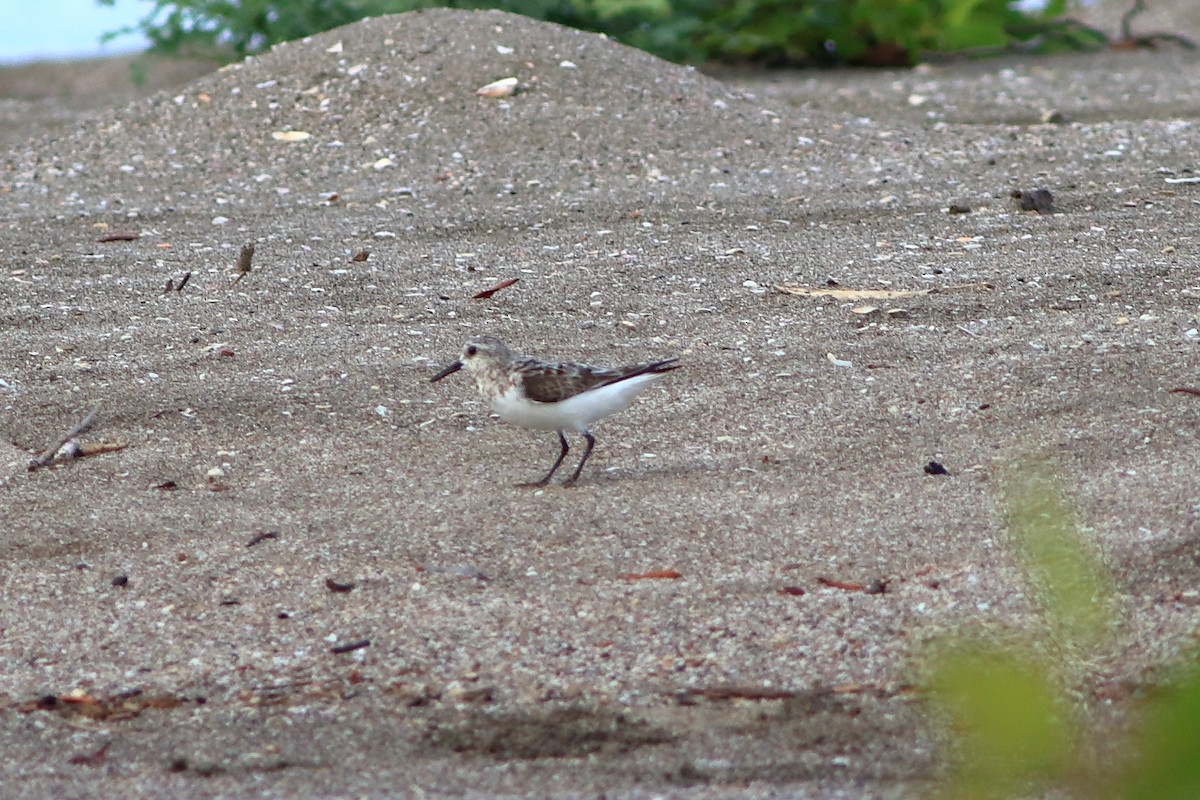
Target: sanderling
<point>553,397</point>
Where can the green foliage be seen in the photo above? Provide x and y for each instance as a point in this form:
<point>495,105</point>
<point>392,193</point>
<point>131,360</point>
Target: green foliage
<point>137,72</point>
<point>1016,731</point>
<point>1068,580</point>
<point>1012,724</point>
<point>231,29</point>
<point>1166,766</point>
<point>697,31</point>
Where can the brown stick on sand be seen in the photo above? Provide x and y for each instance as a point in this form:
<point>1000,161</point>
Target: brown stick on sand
<point>48,454</point>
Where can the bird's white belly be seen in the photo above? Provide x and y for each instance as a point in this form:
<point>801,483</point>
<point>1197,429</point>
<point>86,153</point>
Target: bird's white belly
<point>573,414</point>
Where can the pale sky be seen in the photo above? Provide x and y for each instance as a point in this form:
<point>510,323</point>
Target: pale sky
<point>49,29</point>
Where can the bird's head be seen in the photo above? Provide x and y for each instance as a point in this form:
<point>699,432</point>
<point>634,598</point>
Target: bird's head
<point>478,354</point>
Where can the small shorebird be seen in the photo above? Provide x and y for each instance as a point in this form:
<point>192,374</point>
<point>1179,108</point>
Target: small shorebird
<point>552,397</point>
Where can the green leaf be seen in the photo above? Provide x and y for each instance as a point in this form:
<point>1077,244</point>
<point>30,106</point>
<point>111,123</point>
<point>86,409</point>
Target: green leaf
<point>1166,761</point>
<point>648,9</point>
<point>972,34</point>
<point>1010,730</point>
<point>1054,8</point>
<point>1069,581</point>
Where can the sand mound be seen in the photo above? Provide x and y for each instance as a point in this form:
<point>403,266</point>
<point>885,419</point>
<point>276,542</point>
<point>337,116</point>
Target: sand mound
<point>388,108</point>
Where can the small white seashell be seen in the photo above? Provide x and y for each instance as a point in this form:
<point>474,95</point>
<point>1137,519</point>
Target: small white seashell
<point>291,136</point>
<point>505,87</point>
<point>838,362</point>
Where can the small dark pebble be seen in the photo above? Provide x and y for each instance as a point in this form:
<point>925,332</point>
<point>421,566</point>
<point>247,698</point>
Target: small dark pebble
<point>261,537</point>
<point>1039,200</point>
<point>231,601</point>
<point>334,586</point>
<point>484,694</point>
<point>955,208</point>
<point>936,468</point>
<point>48,701</point>
<point>207,769</point>
<point>876,587</point>
<point>92,759</point>
<point>350,647</point>
<point>120,580</point>
<point>203,768</point>
<point>283,615</point>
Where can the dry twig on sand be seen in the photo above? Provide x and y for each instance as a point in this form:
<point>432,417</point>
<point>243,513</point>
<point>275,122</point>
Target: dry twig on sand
<point>1128,39</point>
<point>48,454</point>
<point>173,287</point>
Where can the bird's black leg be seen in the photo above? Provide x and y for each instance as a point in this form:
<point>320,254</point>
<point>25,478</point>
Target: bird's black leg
<point>562,454</point>
<point>591,440</point>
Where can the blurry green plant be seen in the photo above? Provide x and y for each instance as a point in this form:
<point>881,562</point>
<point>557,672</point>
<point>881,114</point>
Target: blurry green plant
<point>1017,733</point>
<point>696,31</point>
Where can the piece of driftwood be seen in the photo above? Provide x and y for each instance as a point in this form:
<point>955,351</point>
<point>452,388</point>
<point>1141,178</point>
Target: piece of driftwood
<point>48,454</point>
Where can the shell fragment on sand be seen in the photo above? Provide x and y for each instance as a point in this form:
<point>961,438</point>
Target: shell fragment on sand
<point>839,293</point>
<point>505,87</point>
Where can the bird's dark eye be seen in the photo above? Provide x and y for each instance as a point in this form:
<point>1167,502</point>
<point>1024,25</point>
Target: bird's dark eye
<point>472,350</point>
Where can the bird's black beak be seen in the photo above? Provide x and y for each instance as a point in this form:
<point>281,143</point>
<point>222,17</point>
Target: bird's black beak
<point>450,370</point>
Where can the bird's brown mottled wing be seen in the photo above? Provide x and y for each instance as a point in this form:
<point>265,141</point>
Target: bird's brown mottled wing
<point>549,383</point>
